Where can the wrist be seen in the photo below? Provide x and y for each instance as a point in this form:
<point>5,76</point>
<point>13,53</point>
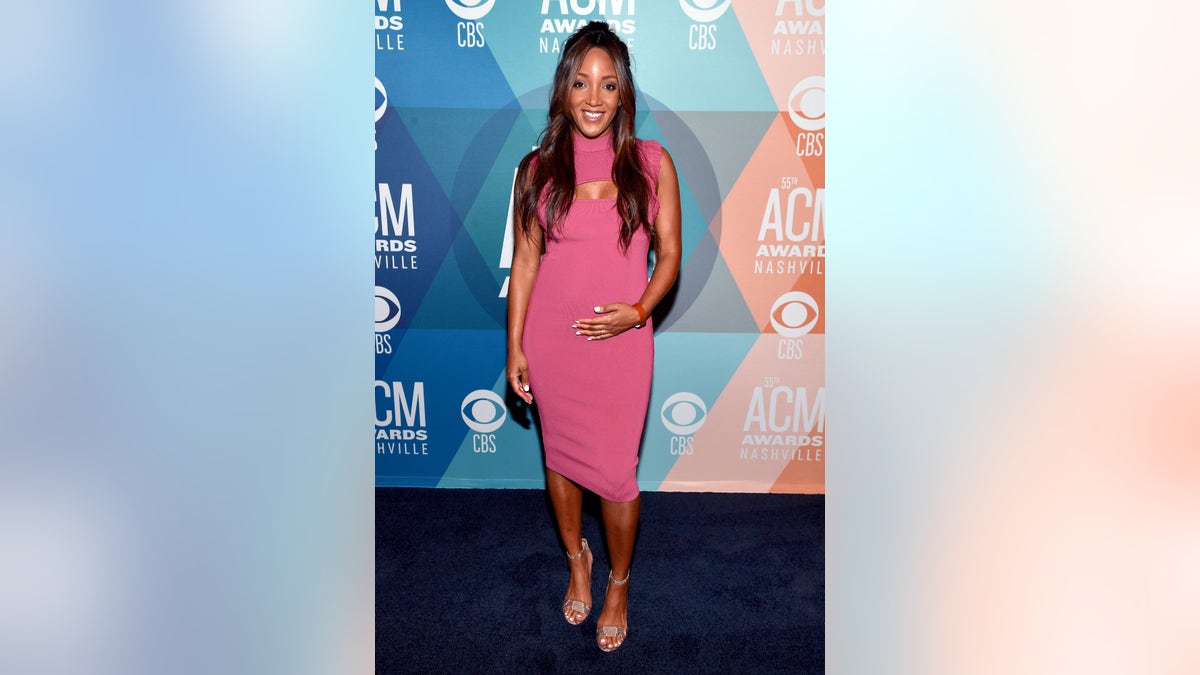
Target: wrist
<point>642,314</point>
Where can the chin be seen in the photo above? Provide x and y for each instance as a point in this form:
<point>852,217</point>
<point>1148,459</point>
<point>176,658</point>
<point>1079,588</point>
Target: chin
<point>592,130</point>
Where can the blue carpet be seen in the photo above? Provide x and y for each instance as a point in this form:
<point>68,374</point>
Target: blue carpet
<point>470,581</point>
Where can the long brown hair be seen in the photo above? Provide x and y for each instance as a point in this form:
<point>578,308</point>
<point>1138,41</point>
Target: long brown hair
<point>552,164</point>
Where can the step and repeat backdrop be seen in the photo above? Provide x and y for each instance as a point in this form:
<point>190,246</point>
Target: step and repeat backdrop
<point>735,90</point>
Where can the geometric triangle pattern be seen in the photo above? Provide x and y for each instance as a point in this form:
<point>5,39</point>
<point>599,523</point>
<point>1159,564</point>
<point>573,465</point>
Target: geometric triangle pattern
<point>735,90</point>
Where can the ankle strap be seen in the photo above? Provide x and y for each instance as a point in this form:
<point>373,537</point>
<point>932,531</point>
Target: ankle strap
<point>581,550</point>
<point>614,582</point>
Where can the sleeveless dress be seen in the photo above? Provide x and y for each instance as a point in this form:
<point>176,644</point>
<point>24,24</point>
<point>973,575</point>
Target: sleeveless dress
<point>592,396</point>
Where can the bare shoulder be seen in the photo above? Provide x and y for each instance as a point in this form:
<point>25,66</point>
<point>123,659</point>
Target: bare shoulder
<point>666,169</point>
<point>665,163</point>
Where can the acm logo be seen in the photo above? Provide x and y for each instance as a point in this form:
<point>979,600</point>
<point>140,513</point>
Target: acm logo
<point>388,24</point>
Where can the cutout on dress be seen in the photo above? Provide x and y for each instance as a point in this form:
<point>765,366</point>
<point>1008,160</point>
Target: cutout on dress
<point>597,189</point>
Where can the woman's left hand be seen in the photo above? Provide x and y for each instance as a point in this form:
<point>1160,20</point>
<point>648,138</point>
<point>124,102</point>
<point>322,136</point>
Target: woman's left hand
<point>612,320</point>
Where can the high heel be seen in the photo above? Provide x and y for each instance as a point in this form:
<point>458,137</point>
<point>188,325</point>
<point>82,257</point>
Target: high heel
<point>578,606</point>
<point>612,632</point>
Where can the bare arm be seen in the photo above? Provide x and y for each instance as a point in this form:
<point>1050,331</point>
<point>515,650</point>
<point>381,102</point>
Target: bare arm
<point>527,257</point>
<point>616,318</point>
<point>668,248</point>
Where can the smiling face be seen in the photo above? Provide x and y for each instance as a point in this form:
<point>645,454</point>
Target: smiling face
<point>593,97</point>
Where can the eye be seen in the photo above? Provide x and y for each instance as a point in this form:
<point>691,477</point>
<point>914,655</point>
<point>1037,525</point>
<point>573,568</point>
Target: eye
<point>610,87</point>
<point>387,309</point>
<point>578,84</point>
<point>806,103</point>
<point>794,314</point>
<point>380,100</point>
<point>483,410</point>
<point>683,413</point>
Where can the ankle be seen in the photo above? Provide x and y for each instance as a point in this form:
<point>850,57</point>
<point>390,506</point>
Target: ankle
<point>583,547</point>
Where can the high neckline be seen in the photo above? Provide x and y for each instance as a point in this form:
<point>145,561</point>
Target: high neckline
<point>597,144</point>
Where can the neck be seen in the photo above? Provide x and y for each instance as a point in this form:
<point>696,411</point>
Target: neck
<point>602,142</point>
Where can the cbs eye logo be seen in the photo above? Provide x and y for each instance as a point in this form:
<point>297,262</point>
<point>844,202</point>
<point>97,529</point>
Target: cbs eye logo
<point>380,100</point>
<point>380,104</point>
<point>806,103</point>
<point>387,310</point>
<point>794,314</point>
<point>470,10</point>
<point>483,411</point>
<point>704,11</point>
<point>683,413</point>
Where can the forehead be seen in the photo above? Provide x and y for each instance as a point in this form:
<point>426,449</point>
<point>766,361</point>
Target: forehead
<point>597,60</point>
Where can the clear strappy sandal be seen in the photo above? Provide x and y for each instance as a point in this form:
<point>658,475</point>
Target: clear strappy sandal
<point>578,606</point>
<point>611,632</point>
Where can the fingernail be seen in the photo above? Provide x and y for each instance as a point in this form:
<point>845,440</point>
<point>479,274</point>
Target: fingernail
<point>526,387</point>
<point>578,333</point>
<point>596,309</point>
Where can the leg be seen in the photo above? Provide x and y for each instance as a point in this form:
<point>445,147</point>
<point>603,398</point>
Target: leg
<point>567,499</point>
<point>620,525</point>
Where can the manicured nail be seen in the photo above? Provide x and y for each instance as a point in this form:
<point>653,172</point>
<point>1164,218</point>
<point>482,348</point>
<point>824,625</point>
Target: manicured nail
<point>578,333</point>
<point>526,387</point>
<point>596,309</point>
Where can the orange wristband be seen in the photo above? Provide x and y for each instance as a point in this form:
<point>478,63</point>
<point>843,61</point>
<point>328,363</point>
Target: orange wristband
<point>641,314</point>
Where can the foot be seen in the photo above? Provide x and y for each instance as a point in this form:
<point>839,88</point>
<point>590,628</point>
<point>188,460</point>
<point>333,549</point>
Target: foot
<point>578,603</point>
<point>613,624</point>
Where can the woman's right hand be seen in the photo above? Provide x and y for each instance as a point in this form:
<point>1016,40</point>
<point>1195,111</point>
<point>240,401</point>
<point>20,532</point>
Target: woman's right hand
<point>518,375</point>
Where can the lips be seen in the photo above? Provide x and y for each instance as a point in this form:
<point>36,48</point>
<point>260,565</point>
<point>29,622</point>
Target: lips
<point>593,123</point>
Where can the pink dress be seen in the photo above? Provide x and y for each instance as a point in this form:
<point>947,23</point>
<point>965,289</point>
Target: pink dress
<point>592,396</point>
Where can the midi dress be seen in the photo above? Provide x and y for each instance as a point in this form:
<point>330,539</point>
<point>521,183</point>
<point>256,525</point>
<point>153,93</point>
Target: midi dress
<point>592,396</point>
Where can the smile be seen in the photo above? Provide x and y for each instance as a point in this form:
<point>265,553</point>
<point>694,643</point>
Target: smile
<point>593,116</point>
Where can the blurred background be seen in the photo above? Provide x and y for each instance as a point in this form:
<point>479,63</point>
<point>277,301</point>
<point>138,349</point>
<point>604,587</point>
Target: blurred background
<point>1010,364</point>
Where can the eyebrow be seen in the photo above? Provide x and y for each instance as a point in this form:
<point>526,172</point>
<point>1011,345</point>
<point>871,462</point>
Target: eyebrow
<point>606,77</point>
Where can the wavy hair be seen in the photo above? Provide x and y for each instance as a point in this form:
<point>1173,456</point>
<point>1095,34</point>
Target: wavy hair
<point>550,169</point>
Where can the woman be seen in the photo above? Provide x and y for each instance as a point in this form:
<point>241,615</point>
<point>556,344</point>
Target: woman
<point>589,204</point>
